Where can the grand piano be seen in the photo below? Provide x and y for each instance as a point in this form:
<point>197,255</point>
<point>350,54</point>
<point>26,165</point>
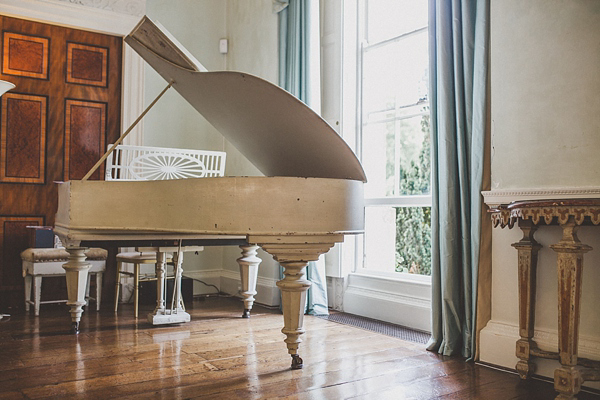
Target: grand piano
<point>310,197</point>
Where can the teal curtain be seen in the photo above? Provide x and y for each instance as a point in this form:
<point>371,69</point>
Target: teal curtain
<point>458,39</point>
<point>294,76</point>
<point>294,50</point>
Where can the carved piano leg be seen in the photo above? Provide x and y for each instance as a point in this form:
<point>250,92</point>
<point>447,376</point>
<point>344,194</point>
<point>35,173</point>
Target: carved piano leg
<point>76,272</point>
<point>294,253</point>
<point>293,296</point>
<point>528,251</point>
<point>248,263</point>
<point>568,378</point>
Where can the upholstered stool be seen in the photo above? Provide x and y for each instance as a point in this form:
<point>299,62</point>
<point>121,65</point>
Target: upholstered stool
<point>44,262</point>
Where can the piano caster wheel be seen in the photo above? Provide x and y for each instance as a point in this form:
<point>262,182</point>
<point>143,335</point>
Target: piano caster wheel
<point>75,328</point>
<point>246,313</point>
<point>297,362</point>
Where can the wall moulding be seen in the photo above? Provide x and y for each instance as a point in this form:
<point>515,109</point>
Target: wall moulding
<point>496,197</point>
<point>132,7</point>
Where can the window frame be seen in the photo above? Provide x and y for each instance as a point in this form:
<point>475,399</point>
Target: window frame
<point>362,47</point>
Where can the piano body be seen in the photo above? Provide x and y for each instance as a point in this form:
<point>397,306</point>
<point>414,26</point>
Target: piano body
<point>310,197</point>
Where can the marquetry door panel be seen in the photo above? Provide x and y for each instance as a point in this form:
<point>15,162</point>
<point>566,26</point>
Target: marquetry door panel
<point>54,126</point>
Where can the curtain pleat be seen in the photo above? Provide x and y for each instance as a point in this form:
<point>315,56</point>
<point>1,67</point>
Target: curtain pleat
<point>294,62</point>
<point>458,38</point>
<point>293,49</point>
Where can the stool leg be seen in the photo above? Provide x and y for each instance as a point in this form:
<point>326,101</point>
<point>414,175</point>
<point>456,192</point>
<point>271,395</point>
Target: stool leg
<point>117,284</point>
<point>136,287</point>
<point>569,251</point>
<point>37,294</point>
<point>98,289</point>
<point>87,290</point>
<point>27,279</point>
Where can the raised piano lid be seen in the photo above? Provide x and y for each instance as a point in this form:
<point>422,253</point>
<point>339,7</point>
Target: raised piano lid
<point>278,133</point>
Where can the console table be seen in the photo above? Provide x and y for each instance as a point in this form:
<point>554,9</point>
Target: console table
<point>569,214</point>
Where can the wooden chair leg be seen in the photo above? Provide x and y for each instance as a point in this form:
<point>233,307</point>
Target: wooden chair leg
<point>118,285</point>
<point>136,287</point>
<point>37,294</point>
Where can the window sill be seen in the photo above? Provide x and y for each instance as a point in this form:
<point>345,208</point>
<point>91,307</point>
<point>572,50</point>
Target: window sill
<point>395,276</point>
<point>403,300</point>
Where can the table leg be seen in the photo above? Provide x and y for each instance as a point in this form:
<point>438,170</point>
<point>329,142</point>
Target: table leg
<point>76,272</point>
<point>527,249</point>
<point>248,263</point>
<point>568,378</point>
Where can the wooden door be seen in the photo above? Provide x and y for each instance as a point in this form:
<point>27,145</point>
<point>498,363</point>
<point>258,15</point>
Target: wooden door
<point>54,126</point>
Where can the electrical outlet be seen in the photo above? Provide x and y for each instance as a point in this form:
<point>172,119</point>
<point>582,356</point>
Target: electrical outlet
<point>223,46</point>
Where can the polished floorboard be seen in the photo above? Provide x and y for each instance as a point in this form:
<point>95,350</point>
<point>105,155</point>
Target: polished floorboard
<point>222,356</point>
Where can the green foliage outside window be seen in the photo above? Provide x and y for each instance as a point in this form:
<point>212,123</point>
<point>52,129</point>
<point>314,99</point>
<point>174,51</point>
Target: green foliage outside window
<point>413,224</point>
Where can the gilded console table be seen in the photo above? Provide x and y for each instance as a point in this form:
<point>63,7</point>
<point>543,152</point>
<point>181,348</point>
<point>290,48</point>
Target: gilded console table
<point>569,214</point>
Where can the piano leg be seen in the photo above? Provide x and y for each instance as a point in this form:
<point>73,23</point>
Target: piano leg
<point>294,253</point>
<point>248,263</point>
<point>76,272</point>
<point>293,288</point>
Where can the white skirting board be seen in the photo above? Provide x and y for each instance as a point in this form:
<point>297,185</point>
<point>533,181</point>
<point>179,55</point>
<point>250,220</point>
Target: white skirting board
<point>498,343</point>
<point>229,282</point>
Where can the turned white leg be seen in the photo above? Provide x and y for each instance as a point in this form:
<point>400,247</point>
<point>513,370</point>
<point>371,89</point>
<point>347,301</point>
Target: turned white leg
<point>293,288</point>
<point>294,253</point>
<point>76,271</point>
<point>98,290</point>
<point>248,263</point>
<point>37,294</point>
<point>28,279</point>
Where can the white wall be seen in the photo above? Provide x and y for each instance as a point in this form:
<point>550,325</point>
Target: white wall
<point>545,85</point>
<point>253,48</point>
<point>251,28</point>
<point>545,108</point>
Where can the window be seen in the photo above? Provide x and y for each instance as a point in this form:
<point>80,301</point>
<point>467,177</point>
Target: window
<point>393,134</point>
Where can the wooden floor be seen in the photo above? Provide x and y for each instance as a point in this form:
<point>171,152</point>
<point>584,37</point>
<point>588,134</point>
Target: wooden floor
<point>222,356</point>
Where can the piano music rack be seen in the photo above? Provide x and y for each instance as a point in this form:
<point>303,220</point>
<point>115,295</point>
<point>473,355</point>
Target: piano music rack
<point>134,163</point>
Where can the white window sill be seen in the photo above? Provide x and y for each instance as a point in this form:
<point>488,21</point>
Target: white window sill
<point>403,299</point>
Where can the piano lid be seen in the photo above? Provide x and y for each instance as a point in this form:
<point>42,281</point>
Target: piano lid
<point>278,133</point>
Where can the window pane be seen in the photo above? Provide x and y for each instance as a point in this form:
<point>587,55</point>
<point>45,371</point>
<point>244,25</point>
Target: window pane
<point>390,18</point>
<point>398,239</point>
<point>395,74</point>
<point>396,156</point>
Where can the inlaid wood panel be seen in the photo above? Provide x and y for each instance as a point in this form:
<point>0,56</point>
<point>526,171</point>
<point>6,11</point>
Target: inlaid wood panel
<point>85,128</point>
<point>23,138</point>
<point>13,239</point>
<point>87,65</point>
<point>34,57</point>
<point>25,55</point>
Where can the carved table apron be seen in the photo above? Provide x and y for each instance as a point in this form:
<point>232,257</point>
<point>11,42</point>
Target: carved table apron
<point>569,214</point>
